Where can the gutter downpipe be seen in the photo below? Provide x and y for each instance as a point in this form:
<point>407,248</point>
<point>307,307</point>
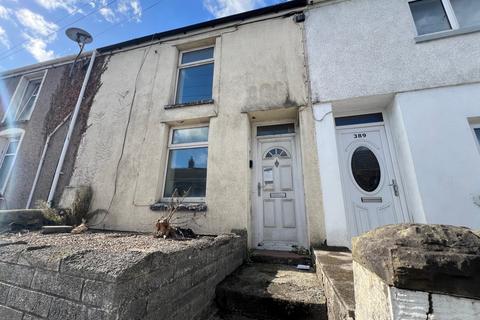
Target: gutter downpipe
<point>73,121</point>
<point>42,159</point>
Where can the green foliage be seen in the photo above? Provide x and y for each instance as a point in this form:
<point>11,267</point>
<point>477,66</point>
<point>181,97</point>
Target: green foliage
<point>50,214</point>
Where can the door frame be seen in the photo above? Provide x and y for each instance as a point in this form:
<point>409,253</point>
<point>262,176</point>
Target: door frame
<point>402,203</point>
<point>301,217</point>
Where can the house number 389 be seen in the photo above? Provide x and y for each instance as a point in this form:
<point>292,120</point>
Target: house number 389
<point>359,135</point>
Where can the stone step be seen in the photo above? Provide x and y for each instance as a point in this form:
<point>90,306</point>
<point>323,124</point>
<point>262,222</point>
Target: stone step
<point>271,291</point>
<point>335,273</point>
<point>280,257</point>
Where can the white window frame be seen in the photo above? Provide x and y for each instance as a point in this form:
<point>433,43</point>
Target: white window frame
<point>455,28</point>
<point>181,65</point>
<point>19,93</point>
<point>10,135</point>
<point>178,146</point>
<point>476,126</point>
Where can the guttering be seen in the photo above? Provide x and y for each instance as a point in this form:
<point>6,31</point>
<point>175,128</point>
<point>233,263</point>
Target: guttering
<point>207,24</point>
<point>41,66</point>
<point>42,159</point>
<point>71,127</point>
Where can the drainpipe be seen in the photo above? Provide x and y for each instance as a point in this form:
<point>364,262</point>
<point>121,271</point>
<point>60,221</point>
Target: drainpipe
<point>42,159</point>
<point>61,160</point>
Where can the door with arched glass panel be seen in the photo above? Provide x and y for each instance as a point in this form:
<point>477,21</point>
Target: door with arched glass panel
<point>373,195</point>
<point>279,216</point>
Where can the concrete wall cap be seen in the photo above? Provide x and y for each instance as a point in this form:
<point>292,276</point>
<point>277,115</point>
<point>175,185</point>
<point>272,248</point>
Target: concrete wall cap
<point>435,258</point>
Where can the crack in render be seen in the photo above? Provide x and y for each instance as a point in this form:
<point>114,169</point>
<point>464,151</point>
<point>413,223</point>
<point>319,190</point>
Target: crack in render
<point>430,307</point>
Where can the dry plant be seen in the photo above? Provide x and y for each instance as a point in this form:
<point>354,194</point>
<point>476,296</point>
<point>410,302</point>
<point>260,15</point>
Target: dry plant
<point>50,214</point>
<point>80,206</point>
<point>164,226</point>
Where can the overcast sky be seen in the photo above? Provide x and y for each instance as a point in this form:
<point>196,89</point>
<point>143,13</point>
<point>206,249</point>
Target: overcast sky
<point>34,30</point>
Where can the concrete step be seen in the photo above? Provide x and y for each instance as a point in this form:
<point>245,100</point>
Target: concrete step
<point>280,257</point>
<point>271,291</point>
<point>335,272</point>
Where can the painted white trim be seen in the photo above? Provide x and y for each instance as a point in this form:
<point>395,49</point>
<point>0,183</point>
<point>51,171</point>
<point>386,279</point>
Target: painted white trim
<point>19,94</point>
<point>452,18</point>
<point>330,176</point>
<point>171,146</point>
<point>10,134</point>
<point>302,222</point>
<point>192,64</point>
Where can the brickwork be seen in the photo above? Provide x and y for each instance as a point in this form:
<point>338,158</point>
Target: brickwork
<point>48,283</point>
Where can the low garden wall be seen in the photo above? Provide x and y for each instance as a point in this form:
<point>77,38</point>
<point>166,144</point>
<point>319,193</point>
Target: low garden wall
<point>99,276</point>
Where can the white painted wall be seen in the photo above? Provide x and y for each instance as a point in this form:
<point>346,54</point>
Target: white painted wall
<point>366,47</point>
<point>332,195</point>
<point>436,145</point>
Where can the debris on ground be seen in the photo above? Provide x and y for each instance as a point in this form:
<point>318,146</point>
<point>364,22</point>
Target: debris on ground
<point>81,228</point>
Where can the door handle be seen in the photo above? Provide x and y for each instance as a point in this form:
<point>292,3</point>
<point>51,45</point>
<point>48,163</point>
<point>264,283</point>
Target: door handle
<point>259,189</point>
<point>394,185</point>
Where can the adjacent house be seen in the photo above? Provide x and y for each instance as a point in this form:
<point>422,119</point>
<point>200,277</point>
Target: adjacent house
<point>396,100</point>
<point>36,107</point>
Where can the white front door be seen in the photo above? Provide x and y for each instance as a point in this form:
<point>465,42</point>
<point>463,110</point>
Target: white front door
<point>373,193</point>
<point>278,212</point>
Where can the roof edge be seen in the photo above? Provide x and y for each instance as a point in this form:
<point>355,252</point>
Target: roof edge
<point>210,23</point>
<point>42,65</point>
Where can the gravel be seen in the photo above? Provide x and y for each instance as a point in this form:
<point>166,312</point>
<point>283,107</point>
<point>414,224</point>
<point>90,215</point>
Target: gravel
<point>103,241</point>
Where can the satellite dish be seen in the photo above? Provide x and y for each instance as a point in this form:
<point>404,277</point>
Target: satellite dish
<point>81,37</point>
<point>78,35</point>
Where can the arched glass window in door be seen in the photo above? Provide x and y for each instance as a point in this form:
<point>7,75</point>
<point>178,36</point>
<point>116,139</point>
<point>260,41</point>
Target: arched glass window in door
<point>366,169</point>
<point>276,153</point>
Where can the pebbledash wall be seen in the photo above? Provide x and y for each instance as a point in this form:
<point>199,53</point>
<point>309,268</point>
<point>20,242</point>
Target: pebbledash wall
<point>259,74</point>
<point>53,283</point>
<point>363,58</point>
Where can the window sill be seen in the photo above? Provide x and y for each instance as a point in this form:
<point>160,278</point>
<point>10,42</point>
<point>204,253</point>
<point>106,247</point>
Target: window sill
<point>189,104</point>
<point>12,123</point>
<point>446,34</point>
<point>189,206</point>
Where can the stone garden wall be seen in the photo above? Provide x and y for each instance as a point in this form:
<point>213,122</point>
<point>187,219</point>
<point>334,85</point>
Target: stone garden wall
<point>50,282</point>
<point>417,272</point>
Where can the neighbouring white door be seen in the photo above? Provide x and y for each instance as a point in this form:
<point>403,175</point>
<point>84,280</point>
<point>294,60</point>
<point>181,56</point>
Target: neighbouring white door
<point>278,216</point>
<point>373,194</point>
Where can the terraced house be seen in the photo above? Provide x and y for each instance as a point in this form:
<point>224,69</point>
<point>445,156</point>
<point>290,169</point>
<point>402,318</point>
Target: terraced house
<point>304,123</point>
<point>336,129</point>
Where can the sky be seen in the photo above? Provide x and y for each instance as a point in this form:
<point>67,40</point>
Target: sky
<point>32,31</point>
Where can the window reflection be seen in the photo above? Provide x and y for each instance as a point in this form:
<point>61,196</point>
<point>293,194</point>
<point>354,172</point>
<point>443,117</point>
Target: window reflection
<point>187,170</point>
<point>190,135</point>
<point>467,12</point>
<point>366,169</point>
<point>429,16</point>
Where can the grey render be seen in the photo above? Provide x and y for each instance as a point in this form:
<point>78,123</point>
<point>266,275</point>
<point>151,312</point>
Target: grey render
<point>29,153</point>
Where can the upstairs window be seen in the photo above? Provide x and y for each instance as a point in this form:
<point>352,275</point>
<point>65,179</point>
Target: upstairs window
<point>25,97</point>
<point>187,163</point>
<point>476,131</point>
<point>431,16</point>
<point>195,76</point>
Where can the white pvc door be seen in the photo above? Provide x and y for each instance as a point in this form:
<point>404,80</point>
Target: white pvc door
<point>372,193</point>
<point>278,211</point>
